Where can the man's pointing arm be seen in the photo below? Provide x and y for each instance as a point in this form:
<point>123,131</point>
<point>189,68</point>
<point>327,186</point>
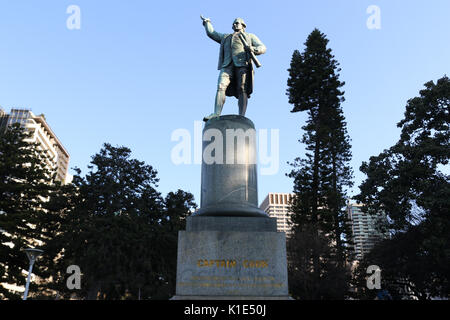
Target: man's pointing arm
<point>216,36</point>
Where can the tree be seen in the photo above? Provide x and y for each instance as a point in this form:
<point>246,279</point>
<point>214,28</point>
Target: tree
<point>304,282</point>
<point>322,177</point>
<point>177,206</point>
<point>117,228</point>
<point>26,181</point>
<point>408,183</point>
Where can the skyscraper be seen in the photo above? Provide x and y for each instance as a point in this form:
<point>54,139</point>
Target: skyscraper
<point>364,230</point>
<point>277,205</point>
<point>42,134</point>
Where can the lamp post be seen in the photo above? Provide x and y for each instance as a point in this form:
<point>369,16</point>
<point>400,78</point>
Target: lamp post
<point>32,254</point>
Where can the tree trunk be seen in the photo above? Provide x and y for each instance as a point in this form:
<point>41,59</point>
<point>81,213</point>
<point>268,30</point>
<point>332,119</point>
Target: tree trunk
<point>315,197</point>
<point>336,211</point>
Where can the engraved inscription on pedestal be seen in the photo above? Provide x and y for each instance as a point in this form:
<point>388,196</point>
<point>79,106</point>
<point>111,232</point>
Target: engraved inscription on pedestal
<point>215,263</point>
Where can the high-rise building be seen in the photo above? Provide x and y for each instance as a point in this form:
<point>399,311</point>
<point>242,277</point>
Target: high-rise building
<point>277,205</point>
<point>364,230</point>
<point>42,134</point>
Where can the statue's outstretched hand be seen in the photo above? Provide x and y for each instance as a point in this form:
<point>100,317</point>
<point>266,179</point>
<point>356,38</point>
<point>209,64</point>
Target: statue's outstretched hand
<point>204,19</point>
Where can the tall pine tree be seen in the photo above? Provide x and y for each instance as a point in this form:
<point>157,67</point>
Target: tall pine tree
<point>322,177</point>
<point>26,182</point>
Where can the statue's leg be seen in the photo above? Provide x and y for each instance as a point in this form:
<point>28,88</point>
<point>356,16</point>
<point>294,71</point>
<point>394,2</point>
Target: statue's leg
<point>241,83</point>
<point>222,85</point>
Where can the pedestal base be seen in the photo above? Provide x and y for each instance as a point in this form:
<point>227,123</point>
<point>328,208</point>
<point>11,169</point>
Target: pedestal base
<point>241,263</point>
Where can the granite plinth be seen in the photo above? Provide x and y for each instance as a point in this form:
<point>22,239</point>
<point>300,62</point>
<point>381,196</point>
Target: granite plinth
<point>231,249</point>
<point>223,223</point>
<point>232,264</point>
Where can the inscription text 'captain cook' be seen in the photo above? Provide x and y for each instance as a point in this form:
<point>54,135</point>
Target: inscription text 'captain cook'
<point>232,263</point>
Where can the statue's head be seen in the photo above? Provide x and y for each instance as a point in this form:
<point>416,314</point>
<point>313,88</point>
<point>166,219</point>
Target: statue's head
<point>239,24</point>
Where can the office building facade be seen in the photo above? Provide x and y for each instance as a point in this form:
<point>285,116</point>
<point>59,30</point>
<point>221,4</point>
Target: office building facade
<point>277,205</point>
<point>364,229</point>
<point>43,135</point>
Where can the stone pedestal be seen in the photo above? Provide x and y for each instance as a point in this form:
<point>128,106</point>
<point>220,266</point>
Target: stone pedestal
<point>231,249</point>
<point>231,258</point>
<point>229,171</point>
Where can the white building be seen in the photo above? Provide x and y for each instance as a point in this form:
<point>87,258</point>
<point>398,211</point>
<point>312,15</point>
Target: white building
<point>42,134</point>
<point>277,205</point>
<point>364,231</point>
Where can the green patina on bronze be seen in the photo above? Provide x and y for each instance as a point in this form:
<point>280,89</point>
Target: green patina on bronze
<point>237,52</point>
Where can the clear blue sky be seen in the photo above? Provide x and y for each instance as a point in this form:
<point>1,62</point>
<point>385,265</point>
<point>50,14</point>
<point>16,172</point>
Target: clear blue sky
<point>138,70</point>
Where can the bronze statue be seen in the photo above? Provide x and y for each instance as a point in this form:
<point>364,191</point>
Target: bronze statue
<point>237,51</point>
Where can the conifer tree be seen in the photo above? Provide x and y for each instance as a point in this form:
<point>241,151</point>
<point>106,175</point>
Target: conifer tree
<point>26,182</point>
<point>322,177</point>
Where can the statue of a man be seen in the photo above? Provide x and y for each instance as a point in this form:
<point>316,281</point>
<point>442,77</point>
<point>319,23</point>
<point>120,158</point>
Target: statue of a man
<point>237,50</point>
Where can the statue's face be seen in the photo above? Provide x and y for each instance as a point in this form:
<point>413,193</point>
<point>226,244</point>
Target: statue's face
<point>237,25</point>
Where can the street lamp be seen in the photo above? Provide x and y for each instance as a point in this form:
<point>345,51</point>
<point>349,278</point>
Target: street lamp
<point>32,254</point>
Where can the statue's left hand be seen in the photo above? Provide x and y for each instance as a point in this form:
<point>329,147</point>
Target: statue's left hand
<point>250,49</point>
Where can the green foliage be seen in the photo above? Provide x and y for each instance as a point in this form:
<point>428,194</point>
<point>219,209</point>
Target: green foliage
<point>117,228</point>
<point>322,177</point>
<point>408,183</point>
<point>25,185</point>
<point>313,82</point>
<point>305,282</point>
